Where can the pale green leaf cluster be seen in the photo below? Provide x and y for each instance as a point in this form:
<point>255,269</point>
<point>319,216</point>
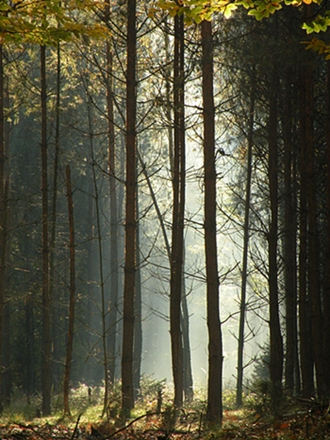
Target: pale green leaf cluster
<point>199,10</point>
<point>320,24</point>
<point>46,21</point>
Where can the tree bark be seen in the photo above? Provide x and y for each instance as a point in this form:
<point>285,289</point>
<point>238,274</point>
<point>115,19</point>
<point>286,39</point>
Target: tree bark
<point>130,226</point>
<point>240,352</point>
<point>289,251</point>
<point>137,350</point>
<point>72,295</point>
<point>215,353</point>
<point>276,342</point>
<point>113,302</point>
<point>326,341</point>
<point>46,378</point>
<point>178,212</point>
<point>2,213</point>
<point>306,352</point>
<point>313,237</point>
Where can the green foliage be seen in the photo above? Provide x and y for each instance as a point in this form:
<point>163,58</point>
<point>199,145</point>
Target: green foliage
<point>199,10</point>
<point>46,22</point>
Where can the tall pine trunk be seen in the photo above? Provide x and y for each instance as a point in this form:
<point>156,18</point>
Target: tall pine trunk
<point>292,375</point>
<point>306,352</point>
<point>241,332</point>
<point>69,348</point>
<point>130,225</point>
<point>178,212</point>
<point>326,341</point>
<point>2,215</point>
<point>114,285</point>
<point>46,370</point>
<point>276,342</point>
<point>314,288</point>
<point>215,353</point>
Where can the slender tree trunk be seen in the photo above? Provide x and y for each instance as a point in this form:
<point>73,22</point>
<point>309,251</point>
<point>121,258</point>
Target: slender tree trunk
<point>289,251</point>
<point>240,352</point>
<point>326,341</point>
<point>113,305</point>
<point>188,388</point>
<point>2,215</point>
<point>276,342</point>
<point>306,352</point>
<point>55,309</point>
<point>30,346</point>
<point>72,295</point>
<point>130,226</point>
<point>178,212</point>
<point>313,238</point>
<point>137,351</point>
<point>215,355</point>
<point>101,262</point>
<point>46,379</point>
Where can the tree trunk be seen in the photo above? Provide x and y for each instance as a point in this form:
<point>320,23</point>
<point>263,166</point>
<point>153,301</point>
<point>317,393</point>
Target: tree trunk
<point>326,341</point>
<point>56,361</point>
<point>306,352</point>
<point>113,304</point>
<point>130,226</point>
<point>46,378</point>
<point>72,295</point>
<point>289,248</point>
<point>240,353</point>
<point>137,350</point>
<point>2,214</point>
<point>101,262</point>
<point>178,212</point>
<point>313,237</point>
<point>215,354</point>
<point>188,388</point>
<point>276,342</point>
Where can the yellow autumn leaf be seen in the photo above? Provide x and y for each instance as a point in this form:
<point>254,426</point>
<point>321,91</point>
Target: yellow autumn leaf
<point>307,2</point>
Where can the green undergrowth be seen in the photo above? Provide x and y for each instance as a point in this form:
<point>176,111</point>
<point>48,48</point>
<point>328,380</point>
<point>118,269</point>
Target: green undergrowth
<point>153,409</point>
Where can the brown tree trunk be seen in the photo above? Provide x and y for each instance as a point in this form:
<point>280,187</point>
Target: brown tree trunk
<point>276,342</point>
<point>313,236</point>
<point>188,388</point>
<point>306,352</point>
<point>289,251</point>
<point>113,303</point>
<point>137,351</point>
<point>72,295</point>
<point>2,213</point>
<point>178,212</point>
<point>240,352</point>
<point>56,361</point>
<point>46,377</point>
<point>326,341</point>
<point>215,353</point>
<point>130,226</point>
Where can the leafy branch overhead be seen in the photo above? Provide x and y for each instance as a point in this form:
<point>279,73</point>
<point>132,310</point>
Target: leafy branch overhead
<point>47,21</point>
<point>195,11</point>
<point>199,10</point>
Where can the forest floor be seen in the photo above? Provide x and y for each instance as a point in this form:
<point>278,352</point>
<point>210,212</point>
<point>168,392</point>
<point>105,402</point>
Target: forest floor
<point>298,420</point>
<point>311,424</point>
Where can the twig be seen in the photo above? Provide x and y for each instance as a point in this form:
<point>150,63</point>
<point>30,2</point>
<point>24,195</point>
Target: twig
<point>133,421</point>
<point>75,428</point>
